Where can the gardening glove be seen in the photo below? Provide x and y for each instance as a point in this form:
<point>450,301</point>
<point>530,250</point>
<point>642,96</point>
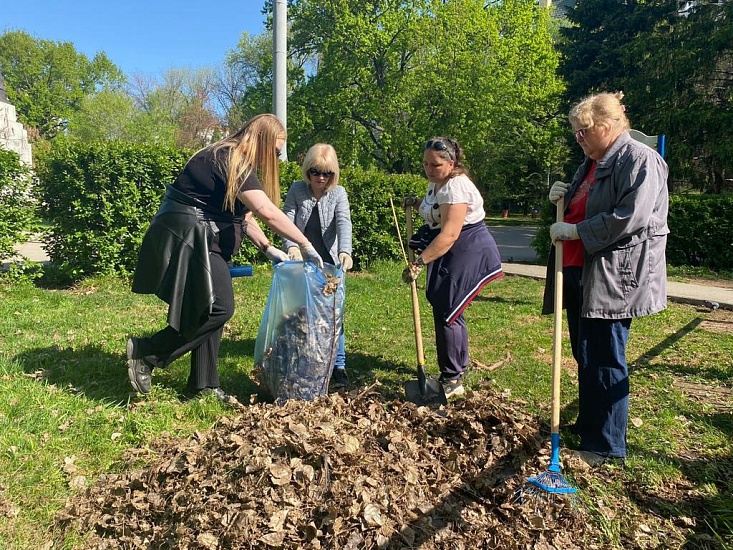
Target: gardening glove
<point>562,231</point>
<point>346,262</point>
<point>411,272</point>
<point>409,200</point>
<point>275,255</point>
<point>310,255</point>
<point>558,190</point>
<point>294,254</point>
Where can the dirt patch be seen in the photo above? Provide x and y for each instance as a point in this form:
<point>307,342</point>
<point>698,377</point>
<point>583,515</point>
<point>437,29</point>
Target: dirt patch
<point>718,397</point>
<point>351,471</point>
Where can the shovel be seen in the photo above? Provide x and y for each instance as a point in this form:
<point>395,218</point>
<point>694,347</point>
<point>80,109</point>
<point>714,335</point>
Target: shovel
<point>422,391</point>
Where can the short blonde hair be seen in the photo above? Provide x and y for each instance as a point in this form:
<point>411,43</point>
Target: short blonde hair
<point>604,110</point>
<point>321,156</point>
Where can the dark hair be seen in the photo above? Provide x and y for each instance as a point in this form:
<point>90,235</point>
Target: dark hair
<point>448,149</point>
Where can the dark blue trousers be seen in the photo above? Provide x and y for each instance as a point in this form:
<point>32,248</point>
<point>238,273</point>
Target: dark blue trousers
<point>599,347</point>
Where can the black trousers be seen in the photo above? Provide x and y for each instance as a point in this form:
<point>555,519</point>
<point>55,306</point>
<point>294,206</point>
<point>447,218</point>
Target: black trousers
<point>167,345</point>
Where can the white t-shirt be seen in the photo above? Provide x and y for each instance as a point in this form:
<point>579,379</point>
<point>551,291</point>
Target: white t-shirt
<point>457,190</point>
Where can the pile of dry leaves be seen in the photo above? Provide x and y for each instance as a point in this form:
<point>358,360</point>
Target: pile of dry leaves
<point>345,471</point>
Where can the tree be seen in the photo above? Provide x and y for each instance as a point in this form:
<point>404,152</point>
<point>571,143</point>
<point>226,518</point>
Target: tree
<point>392,73</point>
<point>676,71</point>
<point>47,81</point>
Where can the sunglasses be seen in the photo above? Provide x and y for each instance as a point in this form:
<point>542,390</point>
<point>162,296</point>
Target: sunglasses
<point>277,153</point>
<point>315,172</point>
<point>580,134</point>
<point>438,145</point>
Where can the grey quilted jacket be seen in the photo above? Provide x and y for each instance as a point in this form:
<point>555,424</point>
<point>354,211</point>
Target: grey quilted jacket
<point>624,234</point>
<point>333,209</point>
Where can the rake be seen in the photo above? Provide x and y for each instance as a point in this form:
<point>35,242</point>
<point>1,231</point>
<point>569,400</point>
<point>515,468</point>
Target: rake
<point>551,481</point>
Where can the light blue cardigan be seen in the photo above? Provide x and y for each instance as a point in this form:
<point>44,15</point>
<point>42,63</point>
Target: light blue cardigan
<point>333,209</point>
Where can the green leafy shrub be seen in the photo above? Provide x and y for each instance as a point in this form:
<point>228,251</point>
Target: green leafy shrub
<point>701,231</point>
<point>99,199</point>
<point>17,207</point>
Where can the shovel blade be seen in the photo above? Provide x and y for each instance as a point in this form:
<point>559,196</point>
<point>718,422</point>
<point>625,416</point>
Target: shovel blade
<point>427,392</point>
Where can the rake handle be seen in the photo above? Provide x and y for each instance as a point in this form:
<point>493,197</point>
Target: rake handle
<point>557,325</point>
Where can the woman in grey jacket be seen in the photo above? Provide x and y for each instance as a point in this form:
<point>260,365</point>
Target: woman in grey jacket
<point>319,207</point>
<point>615,234</point>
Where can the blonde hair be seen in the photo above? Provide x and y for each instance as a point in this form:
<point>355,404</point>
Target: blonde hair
<point>253,148</point>
<point>604,110</point>
<point>321,156</point>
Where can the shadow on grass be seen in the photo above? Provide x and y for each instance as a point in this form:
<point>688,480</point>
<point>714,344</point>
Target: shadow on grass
<point>708,519</point>
<point>89,370</point>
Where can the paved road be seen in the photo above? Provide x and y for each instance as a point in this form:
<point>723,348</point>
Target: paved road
<point>515,243</point>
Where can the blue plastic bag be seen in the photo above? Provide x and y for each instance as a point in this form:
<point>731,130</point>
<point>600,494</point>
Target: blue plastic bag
<point>298,336</point>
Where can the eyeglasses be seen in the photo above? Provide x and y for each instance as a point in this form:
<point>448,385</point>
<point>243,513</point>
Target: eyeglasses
<point>580,133</point>
<point>277,153</point>
<point>315,172</point>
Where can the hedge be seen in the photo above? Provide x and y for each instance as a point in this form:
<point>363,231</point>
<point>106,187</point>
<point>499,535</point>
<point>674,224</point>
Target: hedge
<point>99,199</point>
<point>701,231</point>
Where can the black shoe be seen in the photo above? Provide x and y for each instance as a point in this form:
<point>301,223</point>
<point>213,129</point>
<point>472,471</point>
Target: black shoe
<point>594,459</point>
<point>339,378</point>
<point>138,370</point>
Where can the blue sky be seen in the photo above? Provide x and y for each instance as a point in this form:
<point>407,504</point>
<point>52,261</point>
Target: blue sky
<point>140,36</point>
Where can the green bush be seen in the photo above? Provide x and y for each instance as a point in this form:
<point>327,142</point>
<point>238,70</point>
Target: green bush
<point>17,208</point>
<point>98,199</point>
<point>701,231</point>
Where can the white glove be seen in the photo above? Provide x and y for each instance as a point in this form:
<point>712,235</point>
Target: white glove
<point>346,262</point>
<point>275,255</point>
<point>294,254</point>
<point>562,231</point>
<point>310,255</point>
<point>558,190</point>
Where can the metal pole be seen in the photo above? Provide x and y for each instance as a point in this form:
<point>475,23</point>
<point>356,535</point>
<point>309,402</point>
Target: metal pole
<point>280,77</point>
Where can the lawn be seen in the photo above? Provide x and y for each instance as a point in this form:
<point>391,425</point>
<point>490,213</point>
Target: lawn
<point>67,414</point>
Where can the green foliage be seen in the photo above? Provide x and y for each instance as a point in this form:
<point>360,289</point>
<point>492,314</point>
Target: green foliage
<point>390,75</point>
<point>370,191</point>
<point>675,72</point>
<point>701,231</point>
<point>17,208</point>
<point>46,80</point>
<point>99,199</point>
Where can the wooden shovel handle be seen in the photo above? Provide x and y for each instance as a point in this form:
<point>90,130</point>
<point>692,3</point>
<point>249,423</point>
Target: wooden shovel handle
<point>415,298</point>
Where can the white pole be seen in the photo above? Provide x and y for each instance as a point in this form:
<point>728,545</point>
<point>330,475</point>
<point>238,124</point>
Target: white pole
<point>280,77</point>
<point>545,3</point>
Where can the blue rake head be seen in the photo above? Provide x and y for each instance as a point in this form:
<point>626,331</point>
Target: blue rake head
<point>552,481</point>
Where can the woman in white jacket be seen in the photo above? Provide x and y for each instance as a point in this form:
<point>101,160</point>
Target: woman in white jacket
<point>319,207</point>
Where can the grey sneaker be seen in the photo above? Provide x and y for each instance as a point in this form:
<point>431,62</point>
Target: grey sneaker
<point>138,370</point>
<point>452,387</point>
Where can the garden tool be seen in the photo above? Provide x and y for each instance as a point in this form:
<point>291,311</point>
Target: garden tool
<point>424,390</point>
<point>552,482</point>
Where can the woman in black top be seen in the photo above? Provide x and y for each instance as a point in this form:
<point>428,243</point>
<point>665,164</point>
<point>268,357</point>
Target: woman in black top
<point>186,252</point>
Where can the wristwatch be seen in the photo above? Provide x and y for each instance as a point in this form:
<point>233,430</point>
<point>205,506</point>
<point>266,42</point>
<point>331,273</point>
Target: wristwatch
<point>419,261</point>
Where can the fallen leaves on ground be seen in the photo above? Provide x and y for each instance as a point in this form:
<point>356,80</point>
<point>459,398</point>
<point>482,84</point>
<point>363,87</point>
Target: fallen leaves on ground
<point>346,471</point>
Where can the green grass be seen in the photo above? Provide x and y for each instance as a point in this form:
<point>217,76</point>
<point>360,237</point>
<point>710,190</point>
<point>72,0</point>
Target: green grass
<point>67,415</point>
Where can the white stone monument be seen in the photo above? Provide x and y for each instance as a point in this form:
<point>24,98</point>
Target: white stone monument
<point>13,137</point>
